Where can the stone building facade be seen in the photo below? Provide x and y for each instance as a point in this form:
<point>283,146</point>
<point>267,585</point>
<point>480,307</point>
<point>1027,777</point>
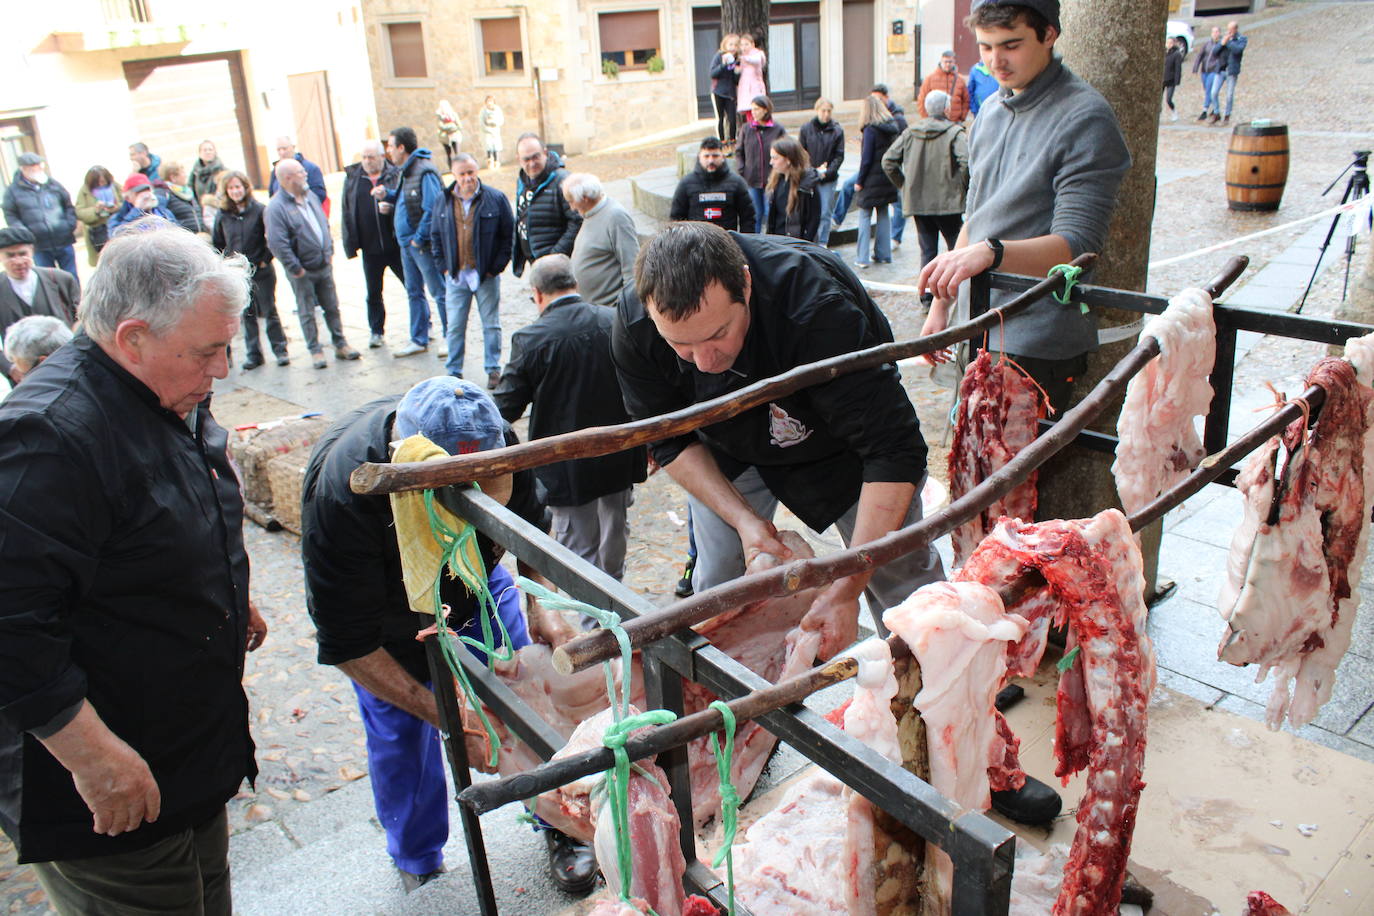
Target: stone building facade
<point>544,61</point>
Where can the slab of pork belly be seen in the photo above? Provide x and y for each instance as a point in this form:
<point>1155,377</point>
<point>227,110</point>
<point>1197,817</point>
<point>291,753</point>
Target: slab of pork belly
<point>1158,441</point>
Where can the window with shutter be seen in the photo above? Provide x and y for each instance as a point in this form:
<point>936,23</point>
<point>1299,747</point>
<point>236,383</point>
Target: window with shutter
<point>502,53</point>
<point>407,43</point>
<point>630,39</point>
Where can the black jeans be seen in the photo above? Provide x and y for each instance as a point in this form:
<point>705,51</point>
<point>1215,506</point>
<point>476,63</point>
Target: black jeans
<point>374,272</point>
<point>262,303</point>
<point>725,118</point>
<point>930,226</point>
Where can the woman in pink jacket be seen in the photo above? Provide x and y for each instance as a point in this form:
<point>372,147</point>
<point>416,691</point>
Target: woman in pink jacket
<point>752,62</point>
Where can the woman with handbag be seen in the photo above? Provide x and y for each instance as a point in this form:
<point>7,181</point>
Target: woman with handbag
<point>98,200</point>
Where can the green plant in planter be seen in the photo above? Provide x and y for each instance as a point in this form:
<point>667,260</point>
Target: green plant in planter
<point>610,68</point>
<point>656,64</point>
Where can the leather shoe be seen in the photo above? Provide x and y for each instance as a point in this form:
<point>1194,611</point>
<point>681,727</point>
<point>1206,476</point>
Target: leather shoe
<point>411,882</point>
<point>283,360</point>
<point>1034,804</point>
<point>572,864</point>
<point>493,379</point>
<point>251,363</point>
<point>346,352</point>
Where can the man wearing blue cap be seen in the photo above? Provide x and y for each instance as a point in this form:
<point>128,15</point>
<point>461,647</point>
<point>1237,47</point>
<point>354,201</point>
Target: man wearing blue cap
<point>357,599</point>
<point>1046,157</point>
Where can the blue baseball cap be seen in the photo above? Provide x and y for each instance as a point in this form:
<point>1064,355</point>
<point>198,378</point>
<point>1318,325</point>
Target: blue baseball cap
<point>453,413</point>
<point>459,417</point>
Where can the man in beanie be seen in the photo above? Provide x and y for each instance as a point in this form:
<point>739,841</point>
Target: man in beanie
<point>37,202</point>
<point>929,164</point>
<point>30,290</point>
<point>365,625</point>
<point>945,78</point>
<point>140,200</point>
<point>1045,161</point>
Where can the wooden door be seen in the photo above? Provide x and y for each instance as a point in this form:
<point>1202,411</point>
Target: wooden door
<point>858,48</point>
<point>315,138</point>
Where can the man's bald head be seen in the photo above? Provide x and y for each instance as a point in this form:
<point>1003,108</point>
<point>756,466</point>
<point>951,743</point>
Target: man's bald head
<point>291,176</point>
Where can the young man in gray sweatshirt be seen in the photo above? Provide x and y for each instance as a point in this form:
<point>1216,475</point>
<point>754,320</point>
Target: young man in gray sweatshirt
<point>1046,157</point>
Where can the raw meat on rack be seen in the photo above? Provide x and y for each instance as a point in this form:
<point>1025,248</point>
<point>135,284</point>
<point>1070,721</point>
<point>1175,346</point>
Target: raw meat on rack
<point>957,631</point>
<point>1289,597</point>
<point>1158,441</point>
<point>998,415</point>
<point>657,861</point>
<point>1093,569</point>
<point>614,906</point>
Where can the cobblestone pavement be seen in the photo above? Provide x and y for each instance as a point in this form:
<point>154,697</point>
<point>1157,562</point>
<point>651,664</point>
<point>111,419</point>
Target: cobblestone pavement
<point>1308,64</point>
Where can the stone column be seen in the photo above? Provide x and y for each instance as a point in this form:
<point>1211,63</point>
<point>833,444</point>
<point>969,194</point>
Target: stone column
<point>1118,47</point>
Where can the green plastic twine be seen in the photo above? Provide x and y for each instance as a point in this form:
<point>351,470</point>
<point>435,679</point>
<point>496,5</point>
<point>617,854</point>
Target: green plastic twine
<point>452,543</point>
<point>729,799</point>
<point>610,620</point>
<point>1070,275</point>
<point>618,785</point>
<point>1065,663</point>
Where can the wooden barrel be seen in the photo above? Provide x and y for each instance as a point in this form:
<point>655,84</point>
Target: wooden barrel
<point>1257,166</point>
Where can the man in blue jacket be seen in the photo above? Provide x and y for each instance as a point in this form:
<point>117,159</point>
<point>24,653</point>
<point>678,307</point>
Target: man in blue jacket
<point>471,235</point>
<point>415,196</point>
<point>314,175</point>
<point>981,84</point>
<point>1233,43</point>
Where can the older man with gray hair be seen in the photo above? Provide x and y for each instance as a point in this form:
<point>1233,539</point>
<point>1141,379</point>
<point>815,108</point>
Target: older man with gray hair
<point>603,255</point>
<point>561,368</point>
<point>298,236</point>
<point>31,340</point>
<point>124,609</point>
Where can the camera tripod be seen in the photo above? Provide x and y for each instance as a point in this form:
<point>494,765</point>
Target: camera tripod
<point>1355,188</point>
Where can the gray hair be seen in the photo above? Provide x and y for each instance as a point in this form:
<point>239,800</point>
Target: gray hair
<point>937,103</point>
<point>155,272</point>
<point>29,340</point>
<point>463,157</point>
<point>553,273</point>
<point>582,187</point>
<point>374,146</point>
<point>138,147</point>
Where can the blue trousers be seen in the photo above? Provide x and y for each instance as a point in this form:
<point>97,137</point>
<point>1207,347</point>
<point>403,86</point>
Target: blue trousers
<point>760,198</point>
<point>882,236</point>
<point>826,192</point>
<point>1211,83</point>
<point>421,271</point>
<point>406,757</point>
<point>63,258</point>
<point>897,221</point>
<point>1227,84</point>
<point>458,301</point>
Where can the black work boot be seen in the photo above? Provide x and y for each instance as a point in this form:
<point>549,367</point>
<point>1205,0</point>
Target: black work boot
<point>572,864</point>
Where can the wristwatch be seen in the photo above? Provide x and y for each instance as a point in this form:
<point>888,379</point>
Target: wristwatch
<point>997,252</point>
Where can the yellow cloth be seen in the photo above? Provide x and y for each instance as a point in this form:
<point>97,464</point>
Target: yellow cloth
<point>421,554</point>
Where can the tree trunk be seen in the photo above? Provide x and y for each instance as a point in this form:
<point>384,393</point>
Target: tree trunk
<point>1118,47</point>
<point>739,16</point>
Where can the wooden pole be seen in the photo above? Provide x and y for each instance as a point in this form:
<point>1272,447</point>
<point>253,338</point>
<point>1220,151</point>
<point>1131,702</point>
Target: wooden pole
<point>371,478</point>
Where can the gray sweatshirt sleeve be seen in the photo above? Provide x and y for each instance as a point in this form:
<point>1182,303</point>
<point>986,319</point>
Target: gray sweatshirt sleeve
<point>279,239</point>
<point>1094,161</point>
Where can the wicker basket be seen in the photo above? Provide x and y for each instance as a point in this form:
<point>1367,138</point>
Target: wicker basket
<point>285,474</point>
<point>257,448</point>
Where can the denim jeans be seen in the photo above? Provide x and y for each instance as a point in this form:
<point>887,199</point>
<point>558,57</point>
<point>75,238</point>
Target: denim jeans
<point>826,191</point>
<point>459,300</point>
<point>882,240</point>
<point>421,271</point>
<point>897,220</point>
<point>844,198</point>
<point>262,303</point>
<point>760,199</point>
<point>1211,83</point>
<point>1228,84</point>
<point>63,258</point>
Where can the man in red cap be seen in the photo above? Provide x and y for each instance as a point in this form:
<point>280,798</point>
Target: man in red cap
<point>140,200</point>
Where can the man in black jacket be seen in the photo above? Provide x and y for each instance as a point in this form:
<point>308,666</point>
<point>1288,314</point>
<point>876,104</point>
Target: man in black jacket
<point>28,290</point>
<point>470,236</point>
<point>124,608</point>
<point>721,311</point>
<point>40,204</point>
<point>365,624</point>
<point>545,223</point>
<point>561,367</point>
<point>368,227</point>
<point>713,193</point>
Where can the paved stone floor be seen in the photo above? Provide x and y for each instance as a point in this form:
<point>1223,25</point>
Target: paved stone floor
<point>306,839</point>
